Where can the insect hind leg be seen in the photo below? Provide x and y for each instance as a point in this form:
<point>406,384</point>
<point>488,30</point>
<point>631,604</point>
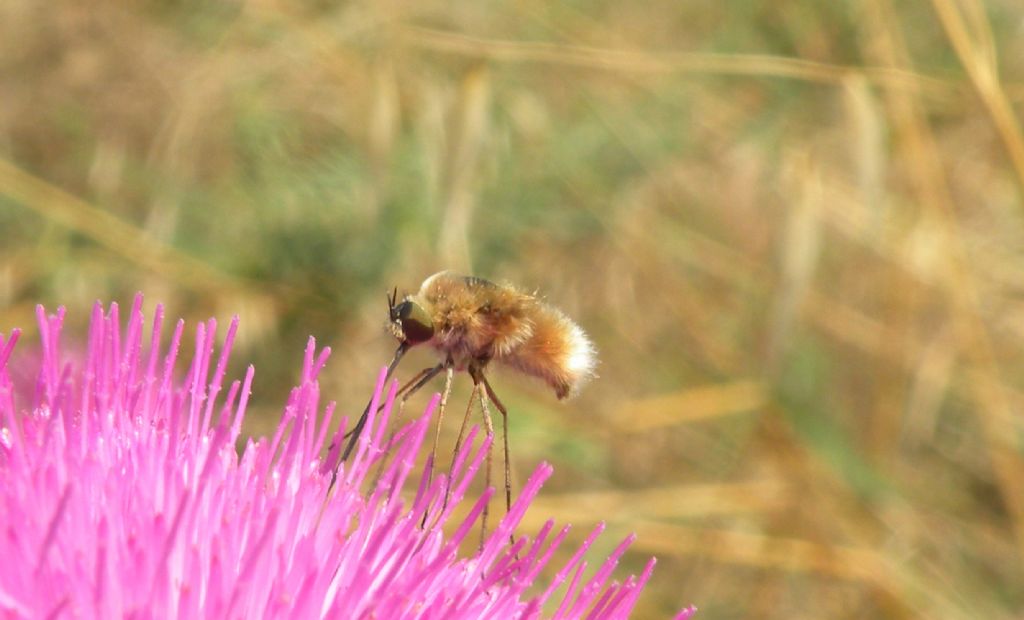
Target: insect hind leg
<point>504,420</point>
<point>481,383</point>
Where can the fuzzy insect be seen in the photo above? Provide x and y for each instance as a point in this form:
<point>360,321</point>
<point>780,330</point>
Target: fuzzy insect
<point>471,322</point>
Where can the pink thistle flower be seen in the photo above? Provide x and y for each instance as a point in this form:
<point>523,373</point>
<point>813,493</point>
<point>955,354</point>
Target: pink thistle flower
<point>123,497</point>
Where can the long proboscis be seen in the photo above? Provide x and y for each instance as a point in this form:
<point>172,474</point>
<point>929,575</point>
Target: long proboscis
<point>357,430</point>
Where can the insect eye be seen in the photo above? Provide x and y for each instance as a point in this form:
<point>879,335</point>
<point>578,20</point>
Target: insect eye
<point>414,322</point>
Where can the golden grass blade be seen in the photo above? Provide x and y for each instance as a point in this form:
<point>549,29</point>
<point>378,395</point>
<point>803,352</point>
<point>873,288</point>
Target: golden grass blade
<point>108,230</point>
<point>979,57</point>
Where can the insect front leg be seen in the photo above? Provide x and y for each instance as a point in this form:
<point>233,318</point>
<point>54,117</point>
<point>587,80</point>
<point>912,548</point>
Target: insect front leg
<point>406,391</point>
<point>449,373</point>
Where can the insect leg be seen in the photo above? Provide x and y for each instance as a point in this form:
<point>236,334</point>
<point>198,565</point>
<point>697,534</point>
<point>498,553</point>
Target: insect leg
<point>504,418</point>
<point>458,443</point>
<point>450,371</point>
<point>406,391</point>
<point>401,391</point>
<point>399,352</point>
<point>417,382</point>
<point>489,426</point>
<point>423,377</point>
<point>353,435</point>
<point>465,422</point>
<point>440,414</point>
<point>411,387</point>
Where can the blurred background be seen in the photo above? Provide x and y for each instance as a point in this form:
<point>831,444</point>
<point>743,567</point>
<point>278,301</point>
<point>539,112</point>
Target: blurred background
<point>793,228</point>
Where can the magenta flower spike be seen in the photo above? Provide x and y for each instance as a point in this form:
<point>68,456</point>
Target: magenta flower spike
<point>122,495</point>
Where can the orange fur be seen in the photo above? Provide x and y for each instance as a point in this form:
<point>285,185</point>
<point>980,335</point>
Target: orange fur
<point>476,321</point>
<point>546,354</point>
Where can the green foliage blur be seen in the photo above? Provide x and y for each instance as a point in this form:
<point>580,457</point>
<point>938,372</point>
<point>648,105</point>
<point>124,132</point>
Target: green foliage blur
<point>794,230</point>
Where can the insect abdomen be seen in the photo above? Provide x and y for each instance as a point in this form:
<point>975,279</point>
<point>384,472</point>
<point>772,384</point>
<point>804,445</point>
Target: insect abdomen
<point>557,351</point>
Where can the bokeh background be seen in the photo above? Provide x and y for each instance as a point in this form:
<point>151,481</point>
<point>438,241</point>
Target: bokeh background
<point>793,228</point>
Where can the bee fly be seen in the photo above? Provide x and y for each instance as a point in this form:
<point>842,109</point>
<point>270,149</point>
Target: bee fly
<point>471,322</point>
